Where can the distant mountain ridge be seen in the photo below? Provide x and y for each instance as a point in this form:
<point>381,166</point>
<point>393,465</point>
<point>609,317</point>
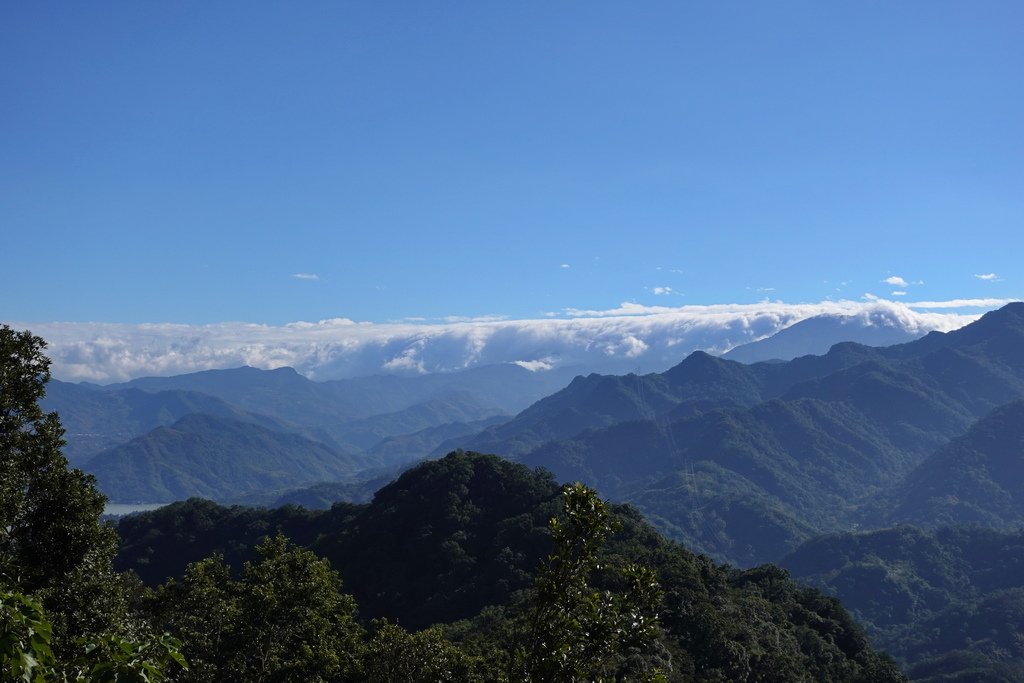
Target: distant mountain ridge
<point>346,416</point>
<point>747,461</point>
<point>214,457</point>
<point>815,336</point>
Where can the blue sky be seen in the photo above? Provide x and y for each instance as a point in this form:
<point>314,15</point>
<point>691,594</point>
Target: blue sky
<point>182,162</point>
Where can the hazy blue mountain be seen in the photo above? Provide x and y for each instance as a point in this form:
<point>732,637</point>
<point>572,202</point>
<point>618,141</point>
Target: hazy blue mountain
<point>97,420</point>
<point>746,461</point>
<point>452,407</point>
<point>356,414</point>
<point>321,496</point>
<point>214,457</point>
<point>408,447</point>
<point>285,393</point>
<point>281,393</point>
<point>508,387</point>
<point>815,336</point>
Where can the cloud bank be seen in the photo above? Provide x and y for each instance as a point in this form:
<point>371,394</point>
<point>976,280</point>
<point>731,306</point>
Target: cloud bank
<point>622,339</point>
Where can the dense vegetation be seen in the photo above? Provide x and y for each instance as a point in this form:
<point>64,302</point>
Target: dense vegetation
<point>606,598</point>
<point>948,603</point>
<point>460,539</point>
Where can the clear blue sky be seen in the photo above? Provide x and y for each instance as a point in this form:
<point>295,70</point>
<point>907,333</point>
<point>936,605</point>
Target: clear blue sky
<point>183,161</point>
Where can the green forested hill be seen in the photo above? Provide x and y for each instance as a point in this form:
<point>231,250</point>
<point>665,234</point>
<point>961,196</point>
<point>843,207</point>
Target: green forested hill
<point>948,603</point>
<point>451,537</point>
<point>977,478</point>
<point>203,455</point>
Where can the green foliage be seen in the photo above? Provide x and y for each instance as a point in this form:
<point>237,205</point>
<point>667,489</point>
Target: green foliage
<point>284,620</point>
<point>75,625</point>
<point>394,655</point>
<point>574,632</point>
<point>52,545</point>
<point>113,659</point>
<point>25,636</point>
<point>26,653</point>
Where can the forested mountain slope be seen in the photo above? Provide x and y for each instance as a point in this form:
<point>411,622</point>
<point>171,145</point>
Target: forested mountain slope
<point>977,478</point>
<point>451,537</point>
<point>948,603</point>
<point>747,461</point>
<point>202,455</point>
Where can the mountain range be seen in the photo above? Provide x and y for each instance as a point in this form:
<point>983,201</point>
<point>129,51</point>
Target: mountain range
<point>745,462</point>
<point>741,461</point>
<point>816,335</point>
<point>143,441</point>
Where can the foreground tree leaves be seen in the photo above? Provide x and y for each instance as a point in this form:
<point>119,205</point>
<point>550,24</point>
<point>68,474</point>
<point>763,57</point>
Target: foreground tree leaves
<point>52,544</point>
<point>574,632</point>
<point>63,610</point>
<point>286,619</point>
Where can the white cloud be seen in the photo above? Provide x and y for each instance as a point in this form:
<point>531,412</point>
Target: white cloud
<point>961,303</point>
<point>661,290</point>
<point>988,277</point>
<point>535,365</point>
<point>615,340</point>
<point>898,292</point>
<point>565,265</point>
<point>306,276</point>
<point>895,281</point>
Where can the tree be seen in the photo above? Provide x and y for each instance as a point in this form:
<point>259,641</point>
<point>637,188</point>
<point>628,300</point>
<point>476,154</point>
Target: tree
<point>63,610</point>
<point>286,619</point>
<point>574,632</point>
<point>52,544</point>
<point>396,656</point>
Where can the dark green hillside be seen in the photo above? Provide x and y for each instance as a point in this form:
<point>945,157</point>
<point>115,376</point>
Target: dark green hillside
<point>976,479</point>
<point>452,536</point>
<point>948,603</point>
<point>741,484</point>
<point>202,455</point>
<point>437,544</point>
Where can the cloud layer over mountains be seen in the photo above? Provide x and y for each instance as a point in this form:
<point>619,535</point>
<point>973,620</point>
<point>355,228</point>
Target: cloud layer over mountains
<point>618,340</point>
